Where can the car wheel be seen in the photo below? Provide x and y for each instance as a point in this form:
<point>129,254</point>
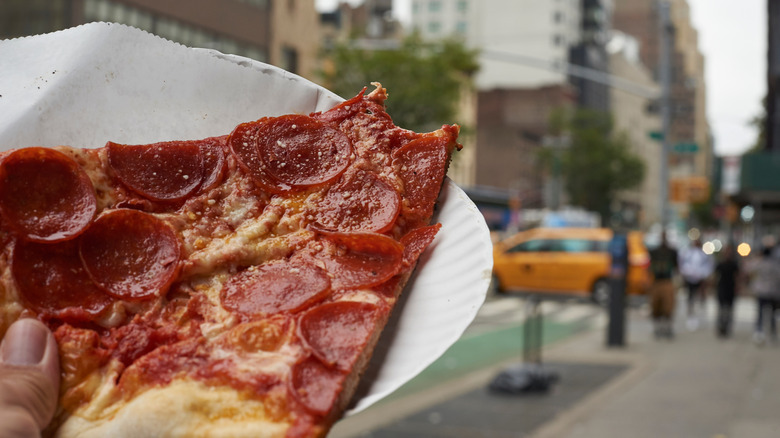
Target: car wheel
<point>601,291</point>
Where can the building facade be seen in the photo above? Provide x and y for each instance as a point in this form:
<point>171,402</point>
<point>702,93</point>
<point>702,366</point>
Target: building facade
<point>369,24</point>
<point>284,33</point>
<point>634,119</point>
<point>523,43</point>
<point>591,53</point>
<point>513,126</point>
<point>691,156</point>
<point>527,51</point>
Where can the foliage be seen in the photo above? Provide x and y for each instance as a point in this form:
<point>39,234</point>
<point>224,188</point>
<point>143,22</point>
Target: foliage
<point>423,79</point>
<point>759,123</point>
<point>598,163</point>
<point>703,215</point>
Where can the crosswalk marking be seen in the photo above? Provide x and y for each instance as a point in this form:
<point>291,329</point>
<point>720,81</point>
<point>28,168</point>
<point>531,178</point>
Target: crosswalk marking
<point>504,312</point>
<point>574,313</point>
<point>497,307</point>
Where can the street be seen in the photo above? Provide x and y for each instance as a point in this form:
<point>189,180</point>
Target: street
<point>451,398</point>
<point>493,340</point>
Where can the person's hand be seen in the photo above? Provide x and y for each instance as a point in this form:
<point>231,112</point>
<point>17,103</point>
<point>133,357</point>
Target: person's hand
<point>29,379</point>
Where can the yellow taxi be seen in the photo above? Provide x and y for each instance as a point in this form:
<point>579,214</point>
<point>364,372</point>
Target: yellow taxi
<point>566,261</point>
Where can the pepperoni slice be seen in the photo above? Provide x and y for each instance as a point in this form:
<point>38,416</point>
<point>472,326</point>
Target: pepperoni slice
<point>303,152</point>
<point>421,164</point>
<point>361,202</point>
<point>135,340</point>
<point>243,142</point>
<point>167,171</point>
<point>416,241</point>
<point>130,254</point>
<point>212,151</point>
<point>361,259</point>
<point>316,386</point>
<point>278,286</point>
<point>52,280</point>
<point>338,332</point>
<point>292,151</point>
<point>44,195</point>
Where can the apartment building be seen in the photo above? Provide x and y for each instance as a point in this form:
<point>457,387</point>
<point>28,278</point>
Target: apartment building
<point>641,206</point>
<point>526,48</point>
<point>284,33</point>
<point>523,43</point>
<point>688,90</point>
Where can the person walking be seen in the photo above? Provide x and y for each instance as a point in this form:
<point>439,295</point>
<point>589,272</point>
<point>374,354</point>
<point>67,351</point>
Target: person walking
<point>765,285</point>
<point>727,272</point>
<point>663,266</point>
<point>695,268</point>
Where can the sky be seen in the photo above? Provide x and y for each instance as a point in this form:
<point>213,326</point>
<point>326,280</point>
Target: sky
<point>733,40</point>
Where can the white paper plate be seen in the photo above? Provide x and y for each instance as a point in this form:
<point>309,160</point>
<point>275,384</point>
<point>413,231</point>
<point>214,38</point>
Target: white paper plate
<point>99,82</point>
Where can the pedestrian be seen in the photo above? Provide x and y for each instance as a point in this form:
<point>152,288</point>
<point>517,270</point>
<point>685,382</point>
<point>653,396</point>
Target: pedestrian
<point>695,268</point>
<point>727,272</point>
<point>765,285</point>
<point>663,266</point>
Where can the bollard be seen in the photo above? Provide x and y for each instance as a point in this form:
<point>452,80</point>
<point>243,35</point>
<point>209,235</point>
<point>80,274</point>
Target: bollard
<point>616,309</point>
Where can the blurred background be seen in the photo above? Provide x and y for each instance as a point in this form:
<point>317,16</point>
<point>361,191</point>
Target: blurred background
<point>613,116</point>
<point>638,114</point>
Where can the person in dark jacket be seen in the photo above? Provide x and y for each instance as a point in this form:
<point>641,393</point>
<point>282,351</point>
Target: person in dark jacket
<point>727,272</point>
<point>663,267</point>
<point>765,285</point>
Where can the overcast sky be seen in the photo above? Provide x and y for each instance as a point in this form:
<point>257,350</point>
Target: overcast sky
<point>733,39</point>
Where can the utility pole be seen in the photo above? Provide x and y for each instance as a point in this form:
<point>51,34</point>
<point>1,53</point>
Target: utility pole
<point>665,72</point>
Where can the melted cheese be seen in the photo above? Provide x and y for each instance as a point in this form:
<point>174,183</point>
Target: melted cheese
<point>184,408</point>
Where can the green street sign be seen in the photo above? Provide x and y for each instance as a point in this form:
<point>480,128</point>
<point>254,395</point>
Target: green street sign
<point>685,148</point>
<point>656,135</point>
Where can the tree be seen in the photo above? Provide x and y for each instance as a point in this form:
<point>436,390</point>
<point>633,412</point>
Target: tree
<point>423,79</point>
<point>598,163</point>
<point>759,123</point>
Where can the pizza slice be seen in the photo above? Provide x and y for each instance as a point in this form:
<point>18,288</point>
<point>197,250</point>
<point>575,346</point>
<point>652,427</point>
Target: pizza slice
<point>231,286</point>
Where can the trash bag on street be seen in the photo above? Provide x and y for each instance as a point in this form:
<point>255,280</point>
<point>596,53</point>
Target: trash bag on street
<point>523,379</point>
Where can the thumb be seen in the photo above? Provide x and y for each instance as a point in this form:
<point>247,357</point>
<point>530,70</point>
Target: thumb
<point>29,378</point>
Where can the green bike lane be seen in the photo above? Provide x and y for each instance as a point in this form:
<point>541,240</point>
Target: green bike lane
<point>474,351</point>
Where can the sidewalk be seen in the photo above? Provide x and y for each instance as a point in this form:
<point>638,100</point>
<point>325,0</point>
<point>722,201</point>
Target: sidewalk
<point>693,386</point>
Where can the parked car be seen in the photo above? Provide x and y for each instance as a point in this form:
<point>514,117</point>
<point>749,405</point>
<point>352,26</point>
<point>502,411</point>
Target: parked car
<point>566,261</point>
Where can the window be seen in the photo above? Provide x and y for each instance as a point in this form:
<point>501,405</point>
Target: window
<point>262,4</point>
<point>254,53</point>
<point>434,27</point>
<point>561,245</point>
<point>461,27</point>
<point>434,6</point>
<point>290,59</point>
<point>139,19</point>
<point>463,6</point>
<point>539,245</point>
<point>583,245</point>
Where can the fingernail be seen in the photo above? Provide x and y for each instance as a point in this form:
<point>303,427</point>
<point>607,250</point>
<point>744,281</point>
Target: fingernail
<point>24,343</point>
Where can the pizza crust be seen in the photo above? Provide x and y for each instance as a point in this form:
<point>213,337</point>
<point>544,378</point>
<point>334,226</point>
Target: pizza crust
<point>185,408</point>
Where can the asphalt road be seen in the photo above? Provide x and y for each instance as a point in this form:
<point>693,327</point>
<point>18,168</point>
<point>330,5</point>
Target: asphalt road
<point>452,387</point>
